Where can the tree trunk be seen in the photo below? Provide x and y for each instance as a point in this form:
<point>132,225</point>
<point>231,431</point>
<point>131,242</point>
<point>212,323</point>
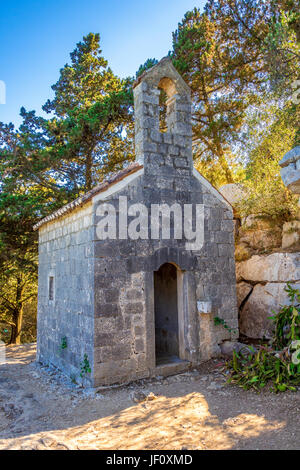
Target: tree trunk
<point>16,329</point>
<point>88,171</point>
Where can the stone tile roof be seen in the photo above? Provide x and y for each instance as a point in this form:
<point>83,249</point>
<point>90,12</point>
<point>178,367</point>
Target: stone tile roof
<point>114,178</point>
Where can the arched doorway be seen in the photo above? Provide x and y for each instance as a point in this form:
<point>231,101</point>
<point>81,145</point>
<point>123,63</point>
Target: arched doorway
<point>166,314</point>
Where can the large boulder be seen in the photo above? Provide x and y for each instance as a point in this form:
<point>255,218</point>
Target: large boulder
<point>290,169</point>
<point>277,267</point>
<point>227,348</point>
<point>254,321</point>
<point>243,289</point>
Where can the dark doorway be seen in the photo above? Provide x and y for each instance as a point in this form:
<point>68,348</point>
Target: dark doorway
<point>166,314</point>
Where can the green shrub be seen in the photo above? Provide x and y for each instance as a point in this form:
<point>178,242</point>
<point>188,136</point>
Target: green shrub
<point>264,368</point>
<point>276,366</point>
<point>63,343</point>
<point>287,320</point>
<point>85,367</point>
<point>269,199</point>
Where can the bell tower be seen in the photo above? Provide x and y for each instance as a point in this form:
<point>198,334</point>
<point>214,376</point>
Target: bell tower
<point>172,148</point>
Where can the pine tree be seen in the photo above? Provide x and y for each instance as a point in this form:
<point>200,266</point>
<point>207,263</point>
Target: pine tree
<point>93,115</point>
<point>28,191</point>
<point>222,71</point>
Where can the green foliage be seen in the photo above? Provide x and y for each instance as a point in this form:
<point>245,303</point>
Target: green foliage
<point>262,369</point>
<point>271,133</point>
<point>268,199</point>
<point>18,291</point>
<point>63,343</point>
<point>229,54</point>
<point>213,170</point>
<point>25,196</point>
<point>92,129</point>
<point>214,71</point>
<point>146,66</point>
<point>221,321</point>
<point>85,367</point>
<point>282,46</point>
<point>272,367</point>
<point>46,163</point>
<point>28,329</point>
<point>287,320</point>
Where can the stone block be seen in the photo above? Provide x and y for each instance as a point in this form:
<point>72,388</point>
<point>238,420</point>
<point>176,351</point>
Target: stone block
<point>291,234</point>
<point>139,346</point>
<point>204,306</point>
<point>134,307</point>
<point>277,267</point>
<point>226,250</point>
<point>106,310</point>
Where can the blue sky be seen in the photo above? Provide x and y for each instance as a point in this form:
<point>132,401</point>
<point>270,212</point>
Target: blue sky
<point>37,36</point>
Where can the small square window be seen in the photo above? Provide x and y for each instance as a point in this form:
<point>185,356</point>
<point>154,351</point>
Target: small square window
<point>51,288</point>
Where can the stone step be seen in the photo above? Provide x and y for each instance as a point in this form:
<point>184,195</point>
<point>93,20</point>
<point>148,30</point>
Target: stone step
<point>172,368</point>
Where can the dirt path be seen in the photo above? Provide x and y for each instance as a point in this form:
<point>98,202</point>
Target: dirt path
<point>39,409</point>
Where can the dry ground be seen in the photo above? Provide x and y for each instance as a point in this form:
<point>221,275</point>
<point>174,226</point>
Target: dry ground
<point>39,409</point>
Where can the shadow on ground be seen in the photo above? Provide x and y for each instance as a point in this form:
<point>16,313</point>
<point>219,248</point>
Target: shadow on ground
<point>191,411</point>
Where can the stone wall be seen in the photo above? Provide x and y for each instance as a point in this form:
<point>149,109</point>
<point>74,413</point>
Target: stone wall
<point>267,257</point>
<point>124,290</point>
<point>66,253</point>
<point>119,300</point>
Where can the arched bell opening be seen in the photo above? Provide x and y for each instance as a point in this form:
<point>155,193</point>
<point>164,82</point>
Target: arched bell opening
<point>168,86</point>
<point>166,99</point>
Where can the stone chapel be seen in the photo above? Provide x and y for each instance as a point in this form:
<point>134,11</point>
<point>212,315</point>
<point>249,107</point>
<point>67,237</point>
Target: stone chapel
<point>133,273</point>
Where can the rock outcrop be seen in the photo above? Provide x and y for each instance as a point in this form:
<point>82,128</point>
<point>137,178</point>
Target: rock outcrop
<point>261,283</point>
<point>277,267</point>
<point>257,235</point>
<point>267,257</point>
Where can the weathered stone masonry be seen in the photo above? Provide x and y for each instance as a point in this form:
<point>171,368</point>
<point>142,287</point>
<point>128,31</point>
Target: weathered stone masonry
<point>104,289</point>
<point>66,253</point>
